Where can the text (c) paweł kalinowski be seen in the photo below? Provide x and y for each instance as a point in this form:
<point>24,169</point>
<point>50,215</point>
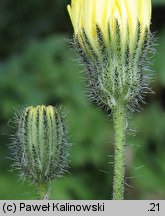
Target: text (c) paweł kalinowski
<point>67,207</point>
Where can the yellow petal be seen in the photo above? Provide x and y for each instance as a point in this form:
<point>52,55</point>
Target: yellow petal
<point>132,14</point>
<point>144,12</point>
<point>121,16</point>
<point>89,16</point>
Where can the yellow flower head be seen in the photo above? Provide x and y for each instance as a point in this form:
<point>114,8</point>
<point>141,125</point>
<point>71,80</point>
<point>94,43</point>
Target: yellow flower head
<point>87,15</point>
<point>114,39</point>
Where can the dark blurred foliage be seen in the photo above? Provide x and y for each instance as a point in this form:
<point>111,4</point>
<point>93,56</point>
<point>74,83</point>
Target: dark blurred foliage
<point>21,21</point>
<point>37,66</point>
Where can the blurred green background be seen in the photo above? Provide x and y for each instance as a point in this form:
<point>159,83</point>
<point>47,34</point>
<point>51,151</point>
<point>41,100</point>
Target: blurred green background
<point>37,66</point>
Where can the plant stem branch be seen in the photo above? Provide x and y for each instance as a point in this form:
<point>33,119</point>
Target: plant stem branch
<point>120,120</point>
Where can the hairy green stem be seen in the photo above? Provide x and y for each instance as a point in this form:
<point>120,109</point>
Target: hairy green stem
<point>43,191</point>
<point>119,119</point>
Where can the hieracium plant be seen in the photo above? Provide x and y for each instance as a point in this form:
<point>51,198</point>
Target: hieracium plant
<point>39,147</point>
<point>114,40</point>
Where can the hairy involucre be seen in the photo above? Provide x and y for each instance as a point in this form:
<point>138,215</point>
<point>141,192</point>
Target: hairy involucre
<point>117,73</point>
<point>39,148</point>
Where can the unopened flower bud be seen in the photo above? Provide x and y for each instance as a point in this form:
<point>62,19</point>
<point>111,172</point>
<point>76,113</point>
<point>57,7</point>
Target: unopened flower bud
<point>40,147</point>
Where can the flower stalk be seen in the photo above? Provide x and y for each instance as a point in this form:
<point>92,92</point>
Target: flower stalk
<point>43,190</point>
<point>120,124</point>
